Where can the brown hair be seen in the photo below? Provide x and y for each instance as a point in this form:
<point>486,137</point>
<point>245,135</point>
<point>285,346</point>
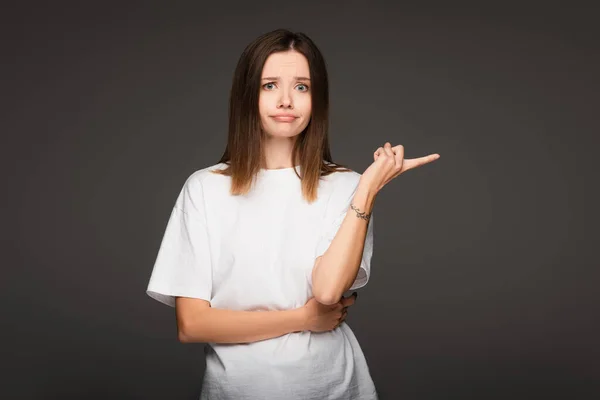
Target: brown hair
<point>244,153</point>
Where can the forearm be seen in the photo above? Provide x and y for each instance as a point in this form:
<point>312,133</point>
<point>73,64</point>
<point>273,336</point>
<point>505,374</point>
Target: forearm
<point>338,267</point>
<point>216,325</point>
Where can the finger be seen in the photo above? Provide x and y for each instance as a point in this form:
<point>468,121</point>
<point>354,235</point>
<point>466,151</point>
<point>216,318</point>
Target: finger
<point>417,162</point>
<point>387,147</point>
<point>398,155</point>
<point>348,301</point>
<point>377,153</point>
<point>391,156</point>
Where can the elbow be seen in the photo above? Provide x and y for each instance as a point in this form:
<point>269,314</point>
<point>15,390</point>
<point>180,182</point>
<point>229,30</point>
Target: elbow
<point>191,317</point>
<point>326,298</point>
<point>322,295</point>
<point>182,336</point>
<point>186,333</point>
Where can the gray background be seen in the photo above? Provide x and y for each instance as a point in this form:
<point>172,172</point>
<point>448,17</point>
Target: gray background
<point>484,276</point>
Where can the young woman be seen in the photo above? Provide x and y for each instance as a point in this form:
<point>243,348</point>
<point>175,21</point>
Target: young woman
<point>261,247</point>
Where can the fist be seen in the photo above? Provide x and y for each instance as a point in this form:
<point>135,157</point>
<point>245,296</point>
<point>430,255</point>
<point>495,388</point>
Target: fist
<point>388,163</point>
<point>321,317</point>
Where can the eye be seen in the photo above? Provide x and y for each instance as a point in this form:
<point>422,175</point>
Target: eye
<point>302,86</point>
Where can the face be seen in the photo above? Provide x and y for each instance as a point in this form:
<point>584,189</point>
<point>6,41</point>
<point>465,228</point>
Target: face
<point>285,100</point>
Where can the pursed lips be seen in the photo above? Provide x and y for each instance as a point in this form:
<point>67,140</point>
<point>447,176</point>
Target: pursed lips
<point>284,117</point>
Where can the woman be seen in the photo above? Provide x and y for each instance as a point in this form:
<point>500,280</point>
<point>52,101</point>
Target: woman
<point>260,247</point>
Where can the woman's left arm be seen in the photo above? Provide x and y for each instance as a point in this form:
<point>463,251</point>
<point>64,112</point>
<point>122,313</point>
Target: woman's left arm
<point>335,271</point>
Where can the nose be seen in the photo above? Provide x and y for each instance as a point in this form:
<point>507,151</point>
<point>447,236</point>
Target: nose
<point>285,101</point>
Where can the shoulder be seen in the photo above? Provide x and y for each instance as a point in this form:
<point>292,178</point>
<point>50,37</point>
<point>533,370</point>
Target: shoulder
<point>343,179</point>
<point>346,179</point>
<point>197,182</point>
<point>342,184</point>
<point>205,175</point>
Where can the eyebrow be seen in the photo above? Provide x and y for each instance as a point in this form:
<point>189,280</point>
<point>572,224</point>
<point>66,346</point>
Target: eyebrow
<point>276,78</point>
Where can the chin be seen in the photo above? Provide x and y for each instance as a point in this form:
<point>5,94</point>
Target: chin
<point>283,134</point>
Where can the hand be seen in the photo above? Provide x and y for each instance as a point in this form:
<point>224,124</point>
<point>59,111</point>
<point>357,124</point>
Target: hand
<point>320,317</point>
<point>388,163</point>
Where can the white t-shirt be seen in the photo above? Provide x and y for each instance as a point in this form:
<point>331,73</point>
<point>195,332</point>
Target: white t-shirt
<point>256,252</point>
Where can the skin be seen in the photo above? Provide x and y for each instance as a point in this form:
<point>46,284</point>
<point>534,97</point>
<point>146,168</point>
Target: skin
<point>389,163</point>
<point>284,94</point>
<point>335,270</point>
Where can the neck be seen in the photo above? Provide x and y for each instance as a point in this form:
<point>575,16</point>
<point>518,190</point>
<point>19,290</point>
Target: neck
<point>278,152</point>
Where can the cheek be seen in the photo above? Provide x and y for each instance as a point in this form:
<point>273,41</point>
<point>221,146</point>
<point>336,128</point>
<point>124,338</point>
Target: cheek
<point>263,106</point>
<point>305,106</point>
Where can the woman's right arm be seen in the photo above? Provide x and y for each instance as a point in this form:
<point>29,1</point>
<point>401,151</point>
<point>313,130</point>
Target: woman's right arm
<point>198,322</point>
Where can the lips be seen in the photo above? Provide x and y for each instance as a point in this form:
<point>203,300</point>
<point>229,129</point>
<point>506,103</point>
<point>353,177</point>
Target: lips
<point>284,117</point>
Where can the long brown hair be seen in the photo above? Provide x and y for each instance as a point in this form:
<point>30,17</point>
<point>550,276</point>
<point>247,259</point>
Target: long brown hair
<point>244,152</point>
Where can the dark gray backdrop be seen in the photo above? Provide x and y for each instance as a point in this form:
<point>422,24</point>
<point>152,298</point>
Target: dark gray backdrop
<point>484,276</point>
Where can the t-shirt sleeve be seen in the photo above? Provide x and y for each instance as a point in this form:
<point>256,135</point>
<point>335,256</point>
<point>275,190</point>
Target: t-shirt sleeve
<point>338,207</point>
<point>183,264</point>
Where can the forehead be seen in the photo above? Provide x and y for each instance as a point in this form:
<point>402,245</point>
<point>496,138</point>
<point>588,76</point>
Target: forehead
<point>286,63</point>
